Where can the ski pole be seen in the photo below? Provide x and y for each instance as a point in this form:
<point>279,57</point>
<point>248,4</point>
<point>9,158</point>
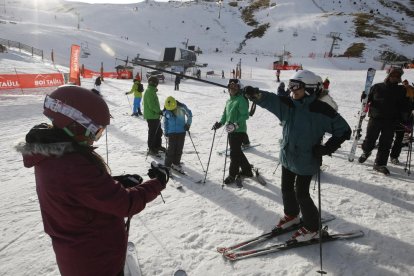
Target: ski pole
<point>321,271</point>
<point>225,161</point>
<point>278,164</point>
<point>189,135</point>
<point>409,154</point>
<point>209,157</point>
<point>130,106</point>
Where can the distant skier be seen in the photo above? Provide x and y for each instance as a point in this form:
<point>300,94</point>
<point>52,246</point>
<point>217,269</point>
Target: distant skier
<point>98,82</point>
<point>278,75</point>
<point>387,107</point>
<point>83,207</point>
<point>305,121</point>
<point>177,82</point>
<point>137,89</point>
<point>281,91</point>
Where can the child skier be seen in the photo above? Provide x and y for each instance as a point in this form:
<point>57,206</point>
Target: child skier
<point>83,207</point>
<point>177,120</point>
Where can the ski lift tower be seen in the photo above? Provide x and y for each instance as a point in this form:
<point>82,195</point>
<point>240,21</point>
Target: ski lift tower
<point>335,36</point>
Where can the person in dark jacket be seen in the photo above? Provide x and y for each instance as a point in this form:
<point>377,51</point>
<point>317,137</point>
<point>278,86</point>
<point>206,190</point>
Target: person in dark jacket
<point>82,206</point>
<point>177,82</point>
<point>305,121</point>
<point>404,127</point>
<point>387,107</point>
<point>282,91</point>
<point>234,118</point>
<point>98,82</point>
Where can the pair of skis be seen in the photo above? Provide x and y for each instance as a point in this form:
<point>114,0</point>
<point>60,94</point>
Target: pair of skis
<point>362,113</point>
<point>235,252</point>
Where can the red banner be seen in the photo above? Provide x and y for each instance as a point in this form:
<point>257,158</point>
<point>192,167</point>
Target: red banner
<point>30,81</point>
<point>87,74</point>
<point>74,64</point>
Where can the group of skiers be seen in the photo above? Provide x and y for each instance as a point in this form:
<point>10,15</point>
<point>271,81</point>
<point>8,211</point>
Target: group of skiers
<point>75,187</point>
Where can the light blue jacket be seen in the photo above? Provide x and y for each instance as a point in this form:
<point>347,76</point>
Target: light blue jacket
<point>304,124</point>
<point>175,120</point>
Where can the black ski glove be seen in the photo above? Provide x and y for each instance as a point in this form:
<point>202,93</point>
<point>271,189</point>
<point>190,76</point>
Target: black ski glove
<point>186,127</point>
<point>129,180</point>
<point>216,126</point>
<point>320,150</point>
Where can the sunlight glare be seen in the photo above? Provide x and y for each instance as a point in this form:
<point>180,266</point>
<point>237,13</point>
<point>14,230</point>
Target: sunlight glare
<point>107,49</point>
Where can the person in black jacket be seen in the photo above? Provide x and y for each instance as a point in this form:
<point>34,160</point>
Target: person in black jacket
<point>177,82</point>
<point>387,107</point>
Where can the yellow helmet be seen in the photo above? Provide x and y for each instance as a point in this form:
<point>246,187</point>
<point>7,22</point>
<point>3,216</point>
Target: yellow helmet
<point>170,103</point>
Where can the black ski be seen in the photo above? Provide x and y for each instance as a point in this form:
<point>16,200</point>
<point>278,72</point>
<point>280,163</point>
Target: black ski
<point>266,236</point>
<point>238,255</point>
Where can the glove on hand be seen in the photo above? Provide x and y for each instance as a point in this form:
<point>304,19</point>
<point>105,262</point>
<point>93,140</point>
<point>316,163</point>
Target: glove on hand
<point>186,127</point>
<point>320,150</point>
<point>160,172</point>
<point>230,127</point>
<point>363,96</point>
<point>129,180</point>
<point>126,93</point>
<point>216,125</point>
<point>251,93</point>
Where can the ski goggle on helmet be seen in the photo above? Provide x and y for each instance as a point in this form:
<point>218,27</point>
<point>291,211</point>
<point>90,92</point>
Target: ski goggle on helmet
<point>73,104</point>
<point>306,79</point>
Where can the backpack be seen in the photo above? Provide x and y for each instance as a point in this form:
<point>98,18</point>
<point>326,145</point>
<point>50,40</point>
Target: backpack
<point>140,87</point>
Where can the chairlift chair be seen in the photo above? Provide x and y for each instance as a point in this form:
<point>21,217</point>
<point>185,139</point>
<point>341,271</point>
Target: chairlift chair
<point>313,38</point>
<point>295,33</point>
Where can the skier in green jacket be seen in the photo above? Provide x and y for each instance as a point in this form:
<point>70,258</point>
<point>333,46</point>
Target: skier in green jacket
<point>152,113</point>
<point>234,118</point>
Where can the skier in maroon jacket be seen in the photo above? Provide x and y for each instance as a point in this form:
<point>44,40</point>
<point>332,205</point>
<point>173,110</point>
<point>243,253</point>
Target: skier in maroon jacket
<point>82,206</point>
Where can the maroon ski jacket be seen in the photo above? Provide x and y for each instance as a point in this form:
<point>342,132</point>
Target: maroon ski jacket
<point>83,209</point>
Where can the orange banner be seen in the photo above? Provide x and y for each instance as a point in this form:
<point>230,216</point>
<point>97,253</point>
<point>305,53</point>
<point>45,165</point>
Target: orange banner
<point>30,81</point>
<point>74,64</point>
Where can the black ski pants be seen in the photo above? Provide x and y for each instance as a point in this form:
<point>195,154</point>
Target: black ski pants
<point>154,134</point>
<point>384,129</point>
<point>296,198</point>
<point>175,149</point>
<point>237,158</point>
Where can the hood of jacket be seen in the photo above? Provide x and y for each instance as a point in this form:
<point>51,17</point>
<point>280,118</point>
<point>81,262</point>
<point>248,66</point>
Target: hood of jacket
<point>44,141</point>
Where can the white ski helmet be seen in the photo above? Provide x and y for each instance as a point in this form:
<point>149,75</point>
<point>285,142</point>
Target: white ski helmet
<point>312,82</point>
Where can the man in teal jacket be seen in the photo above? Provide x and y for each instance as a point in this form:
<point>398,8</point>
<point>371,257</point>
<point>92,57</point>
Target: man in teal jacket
<point>234,117</point>
<point>152,114</point>
<point>305,120</point>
